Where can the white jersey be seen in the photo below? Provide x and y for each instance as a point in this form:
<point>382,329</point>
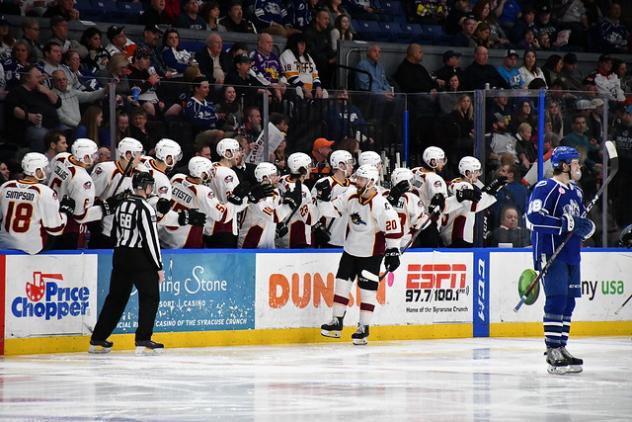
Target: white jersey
<point>29,210</point>
<point>106,176</point>
<point>186,195</point>
<point>373,224</point>
<point>432,184</point>
<point>223,182</point>
<point>337,227</point>
<point>458,223</point>
<point>300,225</point>
<point>411,214</point>
<point>258,228</point>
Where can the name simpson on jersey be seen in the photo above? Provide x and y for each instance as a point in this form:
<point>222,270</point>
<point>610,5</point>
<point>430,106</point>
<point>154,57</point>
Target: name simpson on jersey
<point>19,195</point>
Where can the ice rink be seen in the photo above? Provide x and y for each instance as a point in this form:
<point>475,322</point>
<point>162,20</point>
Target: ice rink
<point>434,380</point>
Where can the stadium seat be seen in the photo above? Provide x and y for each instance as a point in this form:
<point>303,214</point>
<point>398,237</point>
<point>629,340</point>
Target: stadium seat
<point>395,9</point>
<point>368,30</point>
<point>409,31</point>
<point>390,31</point>
<point>434,33</point>
<point>109,10</point>
<point>130,11</point>
<point>87,11</point>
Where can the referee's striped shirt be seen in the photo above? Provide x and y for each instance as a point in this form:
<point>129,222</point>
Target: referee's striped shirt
<point>135,227</point>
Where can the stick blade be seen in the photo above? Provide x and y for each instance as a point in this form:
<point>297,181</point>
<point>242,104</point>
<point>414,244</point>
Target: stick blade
<point>370,276</point>
<point>611,149</point>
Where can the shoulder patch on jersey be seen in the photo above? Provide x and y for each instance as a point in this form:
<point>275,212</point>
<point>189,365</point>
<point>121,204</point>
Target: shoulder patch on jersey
<point>540,184</point>
<point>98,170</point>
<point>437,184</point>
<point>228,179</point>
<point>87,185</point>
<point>163,189</point>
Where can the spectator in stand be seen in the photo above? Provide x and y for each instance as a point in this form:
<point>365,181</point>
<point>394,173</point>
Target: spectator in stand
<point>427,12</point>
<point>514,194</point>
<point>480,73</point>
<point>199,111</point>
<point>509,70</point>
<point>484,13</point>
<point>459,10</point>
<point>529,69</point>
<point>234,20</point>
<point>570,75</point>
<point>52,59</point>
<point>97,57</point>
<point>76,79</point>
<point>507,12</point>
<point>271,16</point>
<point>620,68</point>
<point>249,88</point>
<point>5,173</point>
<point>501,141</point>
<point>500,104</point>
<point>31,110</point>
<point>451,67</point>
<point>190,17</point>
<point>456,130</point>
<point>119,43</point>
<point>229,110</point>
<point>552,68</point>
<point>465,38</point>
<point>553,114</point>
<point>411,76</point>
<point>578,139</point>
<point>378,82</point>
<point>122,126</point>
<point>321,150</point>
<point>55,143</point>
<point>595,122</point>
<point>319,47</point>
<point>447,100</point>
<point>266,66</point>
<point>343,118</point>
<point>214,62</point>
<point>336,10</point>
<point>523,114</point>
<point>174,57</point>
<point>342,31</point>
<point>63,8</point>
<point>210,11</point>
<point>146,81</point>
<point>530,41</point>
<point>252,126</point>
<point>525,148</point>
<point>482,35</point>
<point>299,68</point>
<point>622,136</point>
<point>526,23</point>
<point>91,121</point>
<point>613,36</point>
<point>300,13</point>
<point>155,14</point>
<point>69,112</point>
<point>30,34</point>
<point>6,39</point>
<point>571,15</point>
<point>117,72</point>
<point>543,22</point>
<point>59,28</point>
<point>607,81</point>
<point>138,129</point>
<point>13,67</point>
<point>151,43</point>
<point>509,232</point>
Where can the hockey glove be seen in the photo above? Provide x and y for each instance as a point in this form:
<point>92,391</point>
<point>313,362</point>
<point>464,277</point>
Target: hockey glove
<point>321,235</point>
<point>584,227</point>
<point>163,206</point>
<point>323,191</point>
<point>281,229</point>
<point>437,204</point>
<point>67,206</point>
<point>468,195</point>
<point>391,259</point>
<point>495,185</point>
<point>260,191</point>
<point>191,217</point>
<point>239,193</point>
<point>294,197</point>
<point>397,191</point>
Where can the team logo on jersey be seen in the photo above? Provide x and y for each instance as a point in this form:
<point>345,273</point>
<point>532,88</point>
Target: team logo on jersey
<point>572,208</point>
<point>437,184</point>
<point>98,171</point>
<point>45,298</point>
<point>228,179</point>
<point>356,219</point>
<point>163,189</point>
<point>87,185</point>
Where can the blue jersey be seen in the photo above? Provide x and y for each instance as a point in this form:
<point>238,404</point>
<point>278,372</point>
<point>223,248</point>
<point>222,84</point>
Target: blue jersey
<point>549,201</point>
<point>200,113</point>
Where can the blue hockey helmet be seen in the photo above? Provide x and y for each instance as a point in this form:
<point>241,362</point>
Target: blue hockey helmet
<point>563,155</point>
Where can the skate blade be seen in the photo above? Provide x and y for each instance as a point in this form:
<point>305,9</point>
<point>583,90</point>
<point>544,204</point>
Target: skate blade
<point>99,350</point>
<point>360,341</point>
<point>330,334</point>
<point>575,369</point>
<point>558,370</point>
<point>145,351</point>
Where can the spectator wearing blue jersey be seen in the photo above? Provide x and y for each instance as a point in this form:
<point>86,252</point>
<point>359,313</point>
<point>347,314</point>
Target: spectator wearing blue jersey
<point>199,111</point>
<point>13,66</point>
<point>613,36</point>
<point>301,12</point>
<point>509,70</point>
<point>175,57</point>
<point>556,211</point>
<point>272,16</point>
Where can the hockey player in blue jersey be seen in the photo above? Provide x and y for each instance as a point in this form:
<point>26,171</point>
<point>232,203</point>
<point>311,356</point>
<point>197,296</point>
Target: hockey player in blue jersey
<point>556,209</point>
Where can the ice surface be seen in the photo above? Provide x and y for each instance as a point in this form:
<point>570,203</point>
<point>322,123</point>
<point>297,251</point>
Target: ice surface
<point>434,380</point>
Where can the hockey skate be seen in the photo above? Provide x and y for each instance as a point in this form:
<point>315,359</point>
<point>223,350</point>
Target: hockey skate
<point>148,348</point>
<point>333,328</point>
<point>100,346</point>
<point>360,337</point>
<point>558,363</point>
<point>575,364</point>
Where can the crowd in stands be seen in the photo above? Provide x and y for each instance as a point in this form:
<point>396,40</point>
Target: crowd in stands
<point>61,87</point>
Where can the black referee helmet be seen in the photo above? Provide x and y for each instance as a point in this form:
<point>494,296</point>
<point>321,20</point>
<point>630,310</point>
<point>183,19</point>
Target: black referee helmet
<point>141,180</point>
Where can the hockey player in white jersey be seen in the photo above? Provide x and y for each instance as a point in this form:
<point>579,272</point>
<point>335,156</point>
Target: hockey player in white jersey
<point>258,229</point>
<point>457,229</point>
<point>331,231</point>
<point>297,231</point>
<point>374,234</point>
<point>406,203</point>
<point>70,179</point>
<point>374,159</point>
<point>30,209</point>
<point>106,176</point>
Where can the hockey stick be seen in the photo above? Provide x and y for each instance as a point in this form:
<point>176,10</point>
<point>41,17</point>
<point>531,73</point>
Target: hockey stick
<point>120,182</point>
<point>614,167</point>
<point>622,305</point>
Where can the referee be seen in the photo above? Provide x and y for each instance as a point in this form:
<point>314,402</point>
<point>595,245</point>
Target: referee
<point>136,262</point>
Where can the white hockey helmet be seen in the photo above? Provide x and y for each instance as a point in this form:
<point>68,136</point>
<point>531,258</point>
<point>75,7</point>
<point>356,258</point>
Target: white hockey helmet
<point>369,172</point>
<point>470,164</point>
<point>201,167</point>
<point>400,174</point>
<point>265,169</point>
<point>84,147</point>
<point>33,161</point>
<point>130,145</point>
<point>370,157</point>
<point>434,157</point>
<point>166,148</point>
<point>340,156</point>
<point>299,163</point>
<point>228,148</point>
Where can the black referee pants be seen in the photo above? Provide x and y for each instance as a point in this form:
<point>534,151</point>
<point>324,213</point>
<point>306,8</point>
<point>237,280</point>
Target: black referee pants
<point>130,267</point>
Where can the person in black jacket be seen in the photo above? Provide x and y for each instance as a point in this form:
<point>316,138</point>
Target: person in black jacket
<point>214,63</point>
<point>480,73</point>
<point>411,75</point>
<point>319,47</point>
